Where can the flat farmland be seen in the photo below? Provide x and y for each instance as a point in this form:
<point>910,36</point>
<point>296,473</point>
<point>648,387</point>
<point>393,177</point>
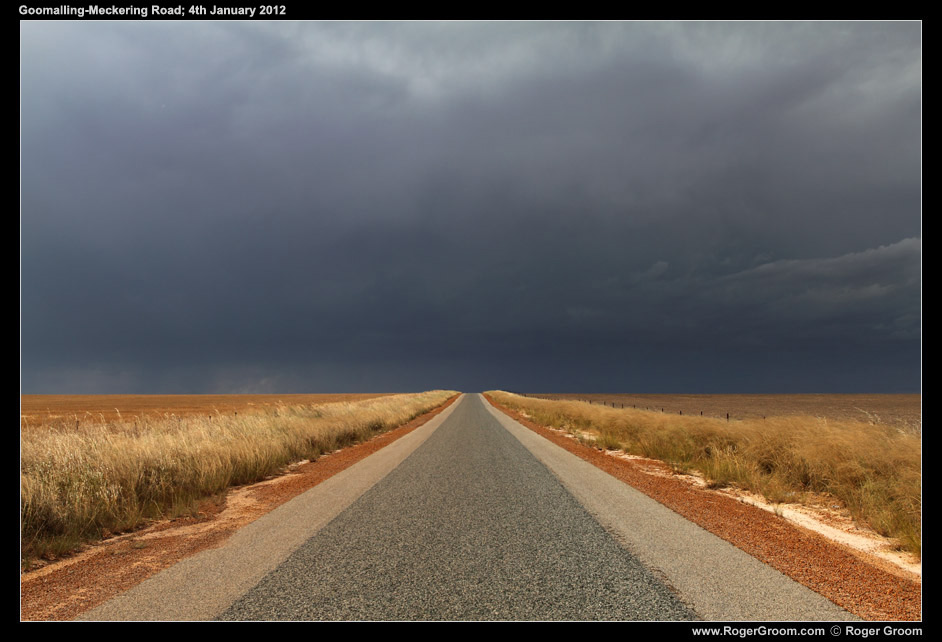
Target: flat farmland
<point>865,451</point>
<point>903,410</point>
<point>39,409</point>
<point>85,475</point>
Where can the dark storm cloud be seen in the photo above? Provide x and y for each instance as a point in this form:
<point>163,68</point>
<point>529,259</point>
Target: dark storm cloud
<point>305,206</point>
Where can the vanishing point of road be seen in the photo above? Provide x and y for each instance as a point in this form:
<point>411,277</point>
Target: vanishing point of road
<point>471,517</point>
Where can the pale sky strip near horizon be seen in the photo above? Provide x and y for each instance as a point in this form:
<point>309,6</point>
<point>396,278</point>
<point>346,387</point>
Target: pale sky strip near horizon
<point>237,206</point>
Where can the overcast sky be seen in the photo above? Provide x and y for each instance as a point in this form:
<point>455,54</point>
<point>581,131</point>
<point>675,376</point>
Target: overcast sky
<point>340,207</point>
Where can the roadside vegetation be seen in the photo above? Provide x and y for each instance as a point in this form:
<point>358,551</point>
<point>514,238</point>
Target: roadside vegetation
<point>873,469</point>
<point>81,479</point>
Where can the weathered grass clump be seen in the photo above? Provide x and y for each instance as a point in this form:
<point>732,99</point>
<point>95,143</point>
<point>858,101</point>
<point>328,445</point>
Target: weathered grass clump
<point>79,480</point>
<point>873,469</point>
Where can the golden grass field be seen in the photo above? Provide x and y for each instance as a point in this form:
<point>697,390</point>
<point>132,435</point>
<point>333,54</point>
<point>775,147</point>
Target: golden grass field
<point>871,464</point>
<point>37,409</point>
<point>897,410</point>
<point>84,476</point>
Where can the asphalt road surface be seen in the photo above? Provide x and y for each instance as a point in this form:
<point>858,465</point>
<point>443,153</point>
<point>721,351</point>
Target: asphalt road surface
<point>471,517</point>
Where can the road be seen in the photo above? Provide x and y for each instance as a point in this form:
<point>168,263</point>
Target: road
<point>471,517</point>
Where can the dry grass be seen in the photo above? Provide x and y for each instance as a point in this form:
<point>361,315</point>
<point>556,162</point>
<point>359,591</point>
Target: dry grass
<point>873,469</point>
<point>36,410</point>
<point>82,480</point>
<point>898,410</point>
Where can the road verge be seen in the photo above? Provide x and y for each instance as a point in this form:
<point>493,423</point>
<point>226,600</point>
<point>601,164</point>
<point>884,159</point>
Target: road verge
<point>66,588</point>
<point>819,564</point>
